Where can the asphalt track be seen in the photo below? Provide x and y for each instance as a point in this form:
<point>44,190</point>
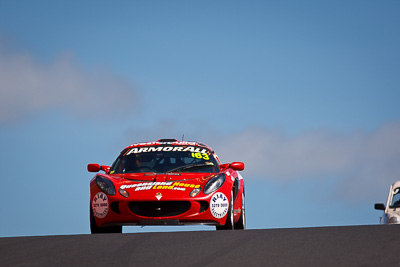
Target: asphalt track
<point>374,245</point>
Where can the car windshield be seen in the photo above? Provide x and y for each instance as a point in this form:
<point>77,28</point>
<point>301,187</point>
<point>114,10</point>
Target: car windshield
<point>165,159</point>
<point>395,203</point>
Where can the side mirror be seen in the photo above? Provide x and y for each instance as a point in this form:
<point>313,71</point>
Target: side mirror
<point>93,167</point>
<point>224,166</point>
<point>379,206</point>
<point>105,168</point>
<point>237,166</point>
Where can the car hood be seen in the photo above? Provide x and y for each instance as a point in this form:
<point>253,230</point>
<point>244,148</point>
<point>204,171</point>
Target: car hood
<point>153,177</point>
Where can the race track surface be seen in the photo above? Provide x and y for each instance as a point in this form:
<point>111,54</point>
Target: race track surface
<point>375,245</point>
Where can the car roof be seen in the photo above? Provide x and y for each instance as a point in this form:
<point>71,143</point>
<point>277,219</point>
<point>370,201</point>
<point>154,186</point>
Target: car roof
<point>172,142</point>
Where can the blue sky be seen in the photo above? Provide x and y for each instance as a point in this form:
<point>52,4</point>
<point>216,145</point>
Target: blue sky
<point>304,92</point>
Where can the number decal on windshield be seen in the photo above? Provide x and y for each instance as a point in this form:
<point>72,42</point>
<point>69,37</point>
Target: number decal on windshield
<point>201,156</point>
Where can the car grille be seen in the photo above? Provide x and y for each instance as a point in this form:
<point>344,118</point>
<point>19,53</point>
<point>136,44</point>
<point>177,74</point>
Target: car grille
<point>159,208</point>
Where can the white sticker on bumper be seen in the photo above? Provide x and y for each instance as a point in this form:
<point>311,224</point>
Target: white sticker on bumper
<point>100,205</point>
<point>219,205</point>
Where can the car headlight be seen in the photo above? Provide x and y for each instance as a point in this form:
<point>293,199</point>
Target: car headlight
<point>105,185</point>
<point>214,184</point>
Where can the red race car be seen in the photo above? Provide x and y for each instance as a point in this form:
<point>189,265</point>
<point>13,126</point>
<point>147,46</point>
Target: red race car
<point>167,182</point>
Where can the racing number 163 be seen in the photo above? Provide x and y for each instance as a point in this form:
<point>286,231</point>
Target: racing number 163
<point>201,156</point>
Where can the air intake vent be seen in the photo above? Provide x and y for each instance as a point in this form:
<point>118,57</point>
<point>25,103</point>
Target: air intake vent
<point>159,208</point>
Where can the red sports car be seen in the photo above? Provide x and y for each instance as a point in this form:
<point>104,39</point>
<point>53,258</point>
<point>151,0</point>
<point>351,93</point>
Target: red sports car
<point>167,182</point>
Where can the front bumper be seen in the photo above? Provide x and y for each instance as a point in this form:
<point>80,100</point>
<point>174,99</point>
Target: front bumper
<point>150,211</point>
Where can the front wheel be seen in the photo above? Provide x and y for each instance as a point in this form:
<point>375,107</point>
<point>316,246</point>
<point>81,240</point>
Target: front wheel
<point>241,224</point>
<point>94,229</point>
<point>229,217</point>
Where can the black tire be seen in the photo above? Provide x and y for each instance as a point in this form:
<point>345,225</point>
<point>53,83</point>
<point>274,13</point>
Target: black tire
<point>94,229</point>
<point>229,219</point>
<point>241,224</point>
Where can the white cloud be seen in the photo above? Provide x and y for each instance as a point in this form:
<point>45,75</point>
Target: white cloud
<point>362,163</point>
<point>27,86</point>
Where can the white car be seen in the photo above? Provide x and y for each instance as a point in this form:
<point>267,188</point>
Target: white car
<point>391,213</point>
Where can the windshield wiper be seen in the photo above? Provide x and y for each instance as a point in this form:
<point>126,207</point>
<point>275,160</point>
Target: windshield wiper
<point>191,166</point>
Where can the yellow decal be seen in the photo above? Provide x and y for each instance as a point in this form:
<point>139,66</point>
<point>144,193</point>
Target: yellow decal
<point>160,185</point>
<point>201,156</point>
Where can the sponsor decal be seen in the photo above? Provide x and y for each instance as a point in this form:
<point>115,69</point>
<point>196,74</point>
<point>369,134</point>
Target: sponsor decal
<point>100,205</point>
<point>160,186</point>
<point>195,150</point>
<point>183,143</point>
<point>158,196</point>
<point>219,205</point>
